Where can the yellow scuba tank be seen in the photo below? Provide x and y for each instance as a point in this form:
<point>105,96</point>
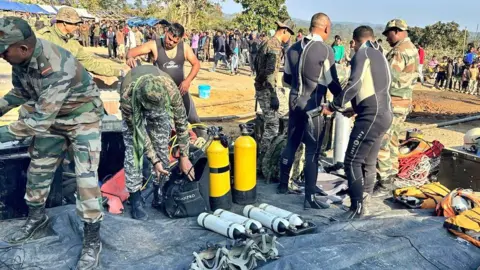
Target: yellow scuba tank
<point>219,163</point>
<point>245,168</point>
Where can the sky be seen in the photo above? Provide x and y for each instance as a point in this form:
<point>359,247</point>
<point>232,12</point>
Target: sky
<point>415,12</point>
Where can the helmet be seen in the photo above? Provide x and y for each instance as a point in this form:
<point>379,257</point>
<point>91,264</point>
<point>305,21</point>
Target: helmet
<point>471,140</point>
<point>68,15</point>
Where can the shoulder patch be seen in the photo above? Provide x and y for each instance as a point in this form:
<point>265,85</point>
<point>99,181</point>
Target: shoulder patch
<point>44,65</point>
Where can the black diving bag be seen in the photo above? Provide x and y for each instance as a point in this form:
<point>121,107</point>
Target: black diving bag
<point>183,198</point>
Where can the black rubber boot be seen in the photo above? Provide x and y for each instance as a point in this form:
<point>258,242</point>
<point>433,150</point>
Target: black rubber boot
<point>136,202</point>
<point>157,198</point>
<point>314,202</point>
<point>356,211</point>
<point>92,247</point>
<point>37,219</point>
<point>282,188</point>
<point>383,188</point>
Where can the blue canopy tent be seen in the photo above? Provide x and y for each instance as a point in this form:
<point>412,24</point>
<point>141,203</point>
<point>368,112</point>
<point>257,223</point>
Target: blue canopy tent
<point>35,9</point>
<point>11,6</point>
<point>135,21</point>
<point>20,7</point>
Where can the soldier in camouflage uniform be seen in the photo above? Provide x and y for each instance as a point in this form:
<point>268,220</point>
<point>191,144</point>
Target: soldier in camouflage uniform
<point>403,59</point>
<point>149,100</point>
<point>68,111</point>
<point>268,91</point>
<point>61,34</point>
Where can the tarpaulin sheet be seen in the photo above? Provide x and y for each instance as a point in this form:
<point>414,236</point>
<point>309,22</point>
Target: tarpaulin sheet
<point>393,239</point>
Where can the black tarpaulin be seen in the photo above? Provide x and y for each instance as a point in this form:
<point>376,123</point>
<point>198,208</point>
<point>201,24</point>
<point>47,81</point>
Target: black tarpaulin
<point>394,239</point>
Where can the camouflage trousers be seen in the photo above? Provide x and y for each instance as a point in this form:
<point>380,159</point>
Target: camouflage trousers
<point>387,165</point>
<point>158,127</point>
<point>270,117</point>
<point>46,153</point>
<point>68,166</point>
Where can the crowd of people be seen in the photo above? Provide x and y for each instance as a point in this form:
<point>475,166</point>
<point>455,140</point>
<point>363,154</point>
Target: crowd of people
<point>459,74</point>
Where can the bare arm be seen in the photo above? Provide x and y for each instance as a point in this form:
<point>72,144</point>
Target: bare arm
<point>192,59</point>
<point>146,48</point>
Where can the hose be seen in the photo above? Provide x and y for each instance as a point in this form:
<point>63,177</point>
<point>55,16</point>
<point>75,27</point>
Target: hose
<point>224,103</point>
<point>452,122</point>
<point>227,117</point>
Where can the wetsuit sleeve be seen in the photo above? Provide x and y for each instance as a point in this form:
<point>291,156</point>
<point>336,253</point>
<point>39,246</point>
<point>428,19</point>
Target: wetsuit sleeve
<point>330,71</point>
<point>16,97</point>
<point>358,65</point>
<point>287,72</point>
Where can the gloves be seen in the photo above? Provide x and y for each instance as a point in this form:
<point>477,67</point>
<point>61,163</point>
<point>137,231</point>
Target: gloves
<point>274,103</point>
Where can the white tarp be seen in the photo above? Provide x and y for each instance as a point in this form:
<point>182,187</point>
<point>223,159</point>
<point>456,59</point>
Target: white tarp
<point>48,8</point>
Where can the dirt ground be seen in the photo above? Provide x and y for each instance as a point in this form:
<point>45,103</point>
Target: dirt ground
<point>234,95</point>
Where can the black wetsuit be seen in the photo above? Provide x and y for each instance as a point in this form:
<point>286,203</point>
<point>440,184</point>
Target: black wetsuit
<point>174,68</point>
<point>310,71</point>
<point>368,91</point>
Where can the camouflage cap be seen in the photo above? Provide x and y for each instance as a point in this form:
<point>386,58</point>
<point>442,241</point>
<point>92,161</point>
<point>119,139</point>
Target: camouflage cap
<point>396,23</point>
<point>13,30</point>
<point>288,24</point>
<point>68,15</point>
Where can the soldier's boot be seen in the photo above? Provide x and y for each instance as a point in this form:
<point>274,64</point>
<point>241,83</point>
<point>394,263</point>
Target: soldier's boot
<point>136,202</point>
<point>37,219</point>
<point>90,256</point>
<point>383,188</point>
<point>157,199</point>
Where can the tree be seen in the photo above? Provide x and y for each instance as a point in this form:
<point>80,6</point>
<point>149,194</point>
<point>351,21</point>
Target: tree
<point>261,14</point>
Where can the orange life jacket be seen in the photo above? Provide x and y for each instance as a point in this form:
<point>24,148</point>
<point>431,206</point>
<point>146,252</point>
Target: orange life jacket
<point>465,225</point>
<point>445,208</point>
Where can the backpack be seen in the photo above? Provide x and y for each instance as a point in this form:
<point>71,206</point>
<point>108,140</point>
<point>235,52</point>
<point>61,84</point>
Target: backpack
<point>466,225</point>
<point>424,197</point>
<point>445,207</point>
<point>183,198</point>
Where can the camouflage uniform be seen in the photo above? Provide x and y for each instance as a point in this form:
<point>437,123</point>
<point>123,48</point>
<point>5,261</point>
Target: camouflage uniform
<point>404,61</point>
<point>96,65</point>
<point>266,86</point>
<point>93,64</point>
<point>67,111</point>
<point>149,99</point>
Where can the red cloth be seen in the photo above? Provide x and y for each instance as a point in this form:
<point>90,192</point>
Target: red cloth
<point>421,55</point>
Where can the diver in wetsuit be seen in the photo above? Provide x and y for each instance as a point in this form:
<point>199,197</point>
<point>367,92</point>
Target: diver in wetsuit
<point>309,71</point>
<point>368,90</point>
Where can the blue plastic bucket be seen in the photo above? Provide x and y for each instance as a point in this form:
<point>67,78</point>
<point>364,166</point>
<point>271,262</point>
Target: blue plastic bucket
<point>204,91</point>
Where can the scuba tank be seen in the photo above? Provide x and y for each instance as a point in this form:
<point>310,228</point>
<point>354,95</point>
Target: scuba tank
<point>249,224</point>
<point>245,168</point>
<point>269,220</point>
<point>226,228</point>
<point>219,164</point>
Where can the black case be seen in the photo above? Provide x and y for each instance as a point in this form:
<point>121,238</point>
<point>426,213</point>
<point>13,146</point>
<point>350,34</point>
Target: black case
<point>459,169</point>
